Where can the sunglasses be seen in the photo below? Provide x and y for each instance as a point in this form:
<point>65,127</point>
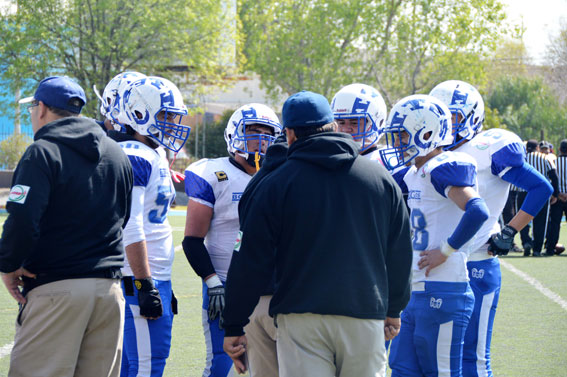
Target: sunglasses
<point>32,104</point>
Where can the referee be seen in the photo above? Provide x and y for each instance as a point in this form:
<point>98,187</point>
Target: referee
<point>560,207</point>
<point>546,167</point>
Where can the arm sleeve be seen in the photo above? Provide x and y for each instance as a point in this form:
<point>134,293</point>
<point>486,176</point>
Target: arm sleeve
<point>198,256</point>
<point>252,264</point>
<point>398,257</point>
<point>134,230</point>
<point>455,173</point>
<point>28,200</point>
<point>476,213</point>
<point>537,186</point>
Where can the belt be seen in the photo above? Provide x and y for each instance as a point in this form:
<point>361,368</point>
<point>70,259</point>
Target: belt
<point>41,279</point>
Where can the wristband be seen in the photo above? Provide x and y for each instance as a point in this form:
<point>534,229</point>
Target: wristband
<point>447,249</point>
<point>213,281</point>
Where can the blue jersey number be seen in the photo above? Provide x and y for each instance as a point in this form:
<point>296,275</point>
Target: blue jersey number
<point>164,198</point>
<point>420,237</point>
<point>493,133</point>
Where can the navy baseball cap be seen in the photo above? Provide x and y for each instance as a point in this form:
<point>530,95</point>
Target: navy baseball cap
<point>306,109</point>
<point>60,92</point>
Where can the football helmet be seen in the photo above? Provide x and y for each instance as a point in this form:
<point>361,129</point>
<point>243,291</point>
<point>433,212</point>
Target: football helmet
<point>110,99</point>
<point>365,104</point>
<point>416,126</point>
<point>467,106</point>
<point>237,138</point>
<point>153,106</point>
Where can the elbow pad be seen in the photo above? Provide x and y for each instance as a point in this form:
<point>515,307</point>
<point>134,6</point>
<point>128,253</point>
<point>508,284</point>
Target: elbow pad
<point>198,256</point>
<point>476,213</point>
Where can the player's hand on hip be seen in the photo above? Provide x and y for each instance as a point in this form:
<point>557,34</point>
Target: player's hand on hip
<point>501,243</point>
<point>13,281</point>
<point>235,347</point>
<point>149,299</point>
<point>431,259</point>
<point>216,303</point>
<point>391,327</point>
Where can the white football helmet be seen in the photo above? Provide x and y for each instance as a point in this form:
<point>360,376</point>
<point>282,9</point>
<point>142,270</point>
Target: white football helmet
<point>110,99</point>
<point>364,103</point>
<point>236,136</point>
<point>416,126</point>
<point>153,106</point>
<point>466,104</point>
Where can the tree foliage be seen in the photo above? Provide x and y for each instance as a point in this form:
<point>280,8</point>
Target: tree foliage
<point>11,150</point>
<point>400,46</point>
<point>93,40</point>
<point>528,107</point>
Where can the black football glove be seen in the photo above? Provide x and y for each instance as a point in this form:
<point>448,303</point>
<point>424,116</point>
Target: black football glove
<point>216,302</point>
<point>501,243</point>
<point>148,298</point>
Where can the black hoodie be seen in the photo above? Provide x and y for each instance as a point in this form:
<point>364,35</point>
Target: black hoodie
<point>69,224</point>
<point>334,228</point>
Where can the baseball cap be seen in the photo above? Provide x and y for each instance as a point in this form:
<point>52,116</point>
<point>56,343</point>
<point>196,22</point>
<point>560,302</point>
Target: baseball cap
<point>544,144</point>
<point>531,145</point>
<point>60,92</point>
<point>306,109</point>
<point>563,146</point>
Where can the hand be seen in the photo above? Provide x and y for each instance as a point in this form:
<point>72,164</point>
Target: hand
<point>216,303</point>
<point>391,328</point>
<point>431,259</point>
<point>235,347</point>
<point>553,200</point>
<point>563,197</point>
<point>177,176</point>
<point>501,243</point>
<point>13,281</point>
<point>149,299</point>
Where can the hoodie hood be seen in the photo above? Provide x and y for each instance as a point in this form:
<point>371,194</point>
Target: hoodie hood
<point>82,135</point>
<point>331,150</point>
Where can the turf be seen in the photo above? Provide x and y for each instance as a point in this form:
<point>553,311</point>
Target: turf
<point>530,333</point>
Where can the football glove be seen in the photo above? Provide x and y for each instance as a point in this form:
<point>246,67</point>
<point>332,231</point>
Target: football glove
<point>216,302</point>
<point>149,299</point>
<point>501,243</point>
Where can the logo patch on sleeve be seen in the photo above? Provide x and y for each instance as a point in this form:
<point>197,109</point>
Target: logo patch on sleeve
<point>221,176</point>
<point>238,241</point>
<point>18,194</point>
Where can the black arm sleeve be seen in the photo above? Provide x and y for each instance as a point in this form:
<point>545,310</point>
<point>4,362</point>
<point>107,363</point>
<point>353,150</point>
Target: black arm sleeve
<point>198,256</point>
<point>552,174</point>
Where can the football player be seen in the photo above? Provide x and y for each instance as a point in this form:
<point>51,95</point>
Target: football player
<point>446,212</point>
<point>500,157</point>
<point>150,113</point>
<point>214,187</point>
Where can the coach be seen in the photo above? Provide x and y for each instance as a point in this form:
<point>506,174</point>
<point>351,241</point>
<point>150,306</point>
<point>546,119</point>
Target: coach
<point>334,227</point>
<point>62,240</point>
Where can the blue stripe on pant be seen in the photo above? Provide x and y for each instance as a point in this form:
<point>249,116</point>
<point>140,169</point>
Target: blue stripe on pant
<point>146,342</point>
<point>486,280</point>
<point>219,364</point>
<point>430,342</point>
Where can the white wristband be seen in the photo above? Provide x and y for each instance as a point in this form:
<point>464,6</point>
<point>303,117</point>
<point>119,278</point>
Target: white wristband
<point>447,249</point>
<point>213,281</point>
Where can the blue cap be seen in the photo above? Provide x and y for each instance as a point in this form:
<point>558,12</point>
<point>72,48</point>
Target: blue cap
<point>306,109</point>
<point>60,92</point>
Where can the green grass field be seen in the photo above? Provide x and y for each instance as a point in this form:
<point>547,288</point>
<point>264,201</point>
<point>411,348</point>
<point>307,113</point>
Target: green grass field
<point>530,333</point>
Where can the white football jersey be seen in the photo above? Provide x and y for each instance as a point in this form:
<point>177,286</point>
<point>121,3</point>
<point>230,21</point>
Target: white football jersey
<point>374,156</point>
<point>152,196</point>
<point>219,184</point>
<point>434,216</point>
<point>496,151</point>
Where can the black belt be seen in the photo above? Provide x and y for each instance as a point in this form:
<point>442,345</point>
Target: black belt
<point>41,279</point>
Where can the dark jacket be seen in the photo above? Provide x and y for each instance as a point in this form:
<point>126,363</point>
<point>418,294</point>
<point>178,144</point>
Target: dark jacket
<point>69,225</point>
<point>335,229</point>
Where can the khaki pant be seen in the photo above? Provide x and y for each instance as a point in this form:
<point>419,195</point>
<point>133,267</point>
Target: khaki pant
<point>261,336</point>
<point>70,328</point>
<point>313,345</point>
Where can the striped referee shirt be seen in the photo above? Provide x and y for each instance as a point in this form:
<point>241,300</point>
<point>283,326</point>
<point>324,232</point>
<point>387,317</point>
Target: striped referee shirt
<point>562,173</point>
<point>540,162</point>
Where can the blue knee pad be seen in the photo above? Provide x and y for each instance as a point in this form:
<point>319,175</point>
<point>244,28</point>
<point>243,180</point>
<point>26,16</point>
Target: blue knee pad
<point>485,280</point>
<point>146,342</point>
<point>218,362</point>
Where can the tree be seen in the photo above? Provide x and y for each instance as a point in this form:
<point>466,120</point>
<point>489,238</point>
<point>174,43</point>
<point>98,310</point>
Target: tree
<point>11,150</point>
<point>399,46</point>
<point>93,40</point>
<point>557,58</point>
<point>529,108</point>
